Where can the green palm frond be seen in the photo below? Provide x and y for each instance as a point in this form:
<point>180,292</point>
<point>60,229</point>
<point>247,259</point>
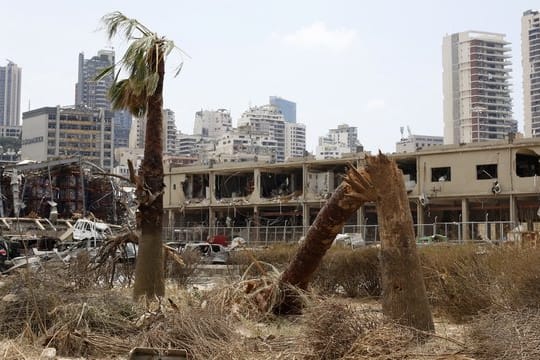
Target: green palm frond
<point>140,61</point>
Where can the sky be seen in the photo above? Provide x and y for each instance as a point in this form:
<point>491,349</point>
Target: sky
<point>376,65</point>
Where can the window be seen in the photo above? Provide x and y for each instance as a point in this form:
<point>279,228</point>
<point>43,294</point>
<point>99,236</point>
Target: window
<point>486,172</point>
<point>441,174</point>
<point>527,164</point>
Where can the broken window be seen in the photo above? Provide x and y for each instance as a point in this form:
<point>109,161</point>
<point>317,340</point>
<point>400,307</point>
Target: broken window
<point>486,172</point>
<point>195,186</point>
<point>441,174</point>
<point>234,185</point>
<point>281,184</point>
<point>527,164</point>
<point>408,168</point>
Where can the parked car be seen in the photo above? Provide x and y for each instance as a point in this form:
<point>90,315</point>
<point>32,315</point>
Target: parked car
<point>92,232</point>
<point>210,253</point>
<point>350,239</point>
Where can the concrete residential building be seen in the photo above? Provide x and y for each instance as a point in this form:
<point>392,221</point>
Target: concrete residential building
<point>339,141</point>
<point>95,93</point>
<point>530,59</point>
<point>57,132</point>
<point>122,127</point>
<point>89,91</point>
<point>137,134</point>
<point>10,94</point>
<point>476,87</point>
<point>268,121</point>
<point>295,140</point>
<point>169,132</point>
<point>287,108</point>
<point>242,145</point>
<point>414,143</point>
<point>212,123</point>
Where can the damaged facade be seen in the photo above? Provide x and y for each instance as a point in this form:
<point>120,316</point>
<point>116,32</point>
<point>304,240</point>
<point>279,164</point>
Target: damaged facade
<point>61,189</point>
<point>486,182</point>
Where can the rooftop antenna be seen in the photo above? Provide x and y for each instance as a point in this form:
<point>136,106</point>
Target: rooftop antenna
<point>401,131</point>
<point>409,130</point>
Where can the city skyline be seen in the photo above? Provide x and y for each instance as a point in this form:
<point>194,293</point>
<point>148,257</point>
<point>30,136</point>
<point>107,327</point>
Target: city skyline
<point>341,62</point>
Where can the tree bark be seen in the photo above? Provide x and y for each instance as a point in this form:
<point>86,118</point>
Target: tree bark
<point>149,273</point>
<point>404,294</point>
<point>404,297</point>
<point>352,193</point>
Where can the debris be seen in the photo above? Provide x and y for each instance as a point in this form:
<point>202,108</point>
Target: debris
<point>48,353</point>
<point>10,298</point>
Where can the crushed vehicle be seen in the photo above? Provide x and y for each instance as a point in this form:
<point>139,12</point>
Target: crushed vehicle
<point>9,250</point>
<point>210,253</point>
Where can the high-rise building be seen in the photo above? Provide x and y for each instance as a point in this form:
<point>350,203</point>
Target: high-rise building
<point>95,93</point>
<point>122,127</point>
<point>530,59</point>
<point>476,87</point>
<point>287,108</point>
<point>295,140</point>
<point>55,132</point>
<point>213,124</point>
<point>137,134</point>
<point>10,94</point>
<point>266,120</point>
<point>169,132</point>
<point>89,91</point>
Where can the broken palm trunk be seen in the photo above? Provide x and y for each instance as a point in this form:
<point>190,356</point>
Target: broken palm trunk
<point>404,297</point>
<point>404,294</point>
<point>355,190</point>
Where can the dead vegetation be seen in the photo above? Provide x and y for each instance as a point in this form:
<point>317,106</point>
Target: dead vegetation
<point>67,308</point>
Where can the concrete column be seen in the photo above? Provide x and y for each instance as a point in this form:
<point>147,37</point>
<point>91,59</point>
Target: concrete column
<point>211,222</point>
<point>360,215</point>
<point>305,217</point>
<point>171,222</point>
<point>256,195</point>
<point>305,187</point>
<point>513,210</point>
<point>212,186</point>
<point>465,219</point>
<point>420,219</point>
<point>255,234</point>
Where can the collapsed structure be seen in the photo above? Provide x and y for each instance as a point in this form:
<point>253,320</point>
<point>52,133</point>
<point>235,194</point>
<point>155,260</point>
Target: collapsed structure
<point>61,189</point>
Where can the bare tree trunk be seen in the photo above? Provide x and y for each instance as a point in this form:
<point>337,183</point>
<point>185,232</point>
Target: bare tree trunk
<point>353,192</point>
<point>149,274</point>
<point>404,293</point>
<point>404,296</point>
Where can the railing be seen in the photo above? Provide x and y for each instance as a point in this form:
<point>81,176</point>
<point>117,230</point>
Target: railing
<point>267,235</point>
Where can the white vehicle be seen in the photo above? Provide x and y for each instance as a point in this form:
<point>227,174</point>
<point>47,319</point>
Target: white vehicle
<point>210,253</point>
<point>94,233</point>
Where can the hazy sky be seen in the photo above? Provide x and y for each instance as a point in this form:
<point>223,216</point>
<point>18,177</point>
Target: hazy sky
<point>376,65</point>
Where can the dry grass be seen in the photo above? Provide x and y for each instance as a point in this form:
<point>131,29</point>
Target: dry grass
<point>67,309</point>
<point>506,335</point>
<point>332,327</point>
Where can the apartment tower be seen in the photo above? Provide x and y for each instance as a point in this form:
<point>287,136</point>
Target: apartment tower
<point>530,59</point>
<point>476,87</point>
<point>10,94</point>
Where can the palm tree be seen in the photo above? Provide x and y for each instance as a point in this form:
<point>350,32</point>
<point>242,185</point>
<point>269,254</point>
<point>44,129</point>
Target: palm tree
<point>142,94</point>
<point>404,295</point>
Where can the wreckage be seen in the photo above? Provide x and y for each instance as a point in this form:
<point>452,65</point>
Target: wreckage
<point>50,209</point>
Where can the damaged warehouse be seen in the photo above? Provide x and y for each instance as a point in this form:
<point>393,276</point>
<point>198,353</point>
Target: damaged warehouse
<point>61,189</point>
<point>472,191</point>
